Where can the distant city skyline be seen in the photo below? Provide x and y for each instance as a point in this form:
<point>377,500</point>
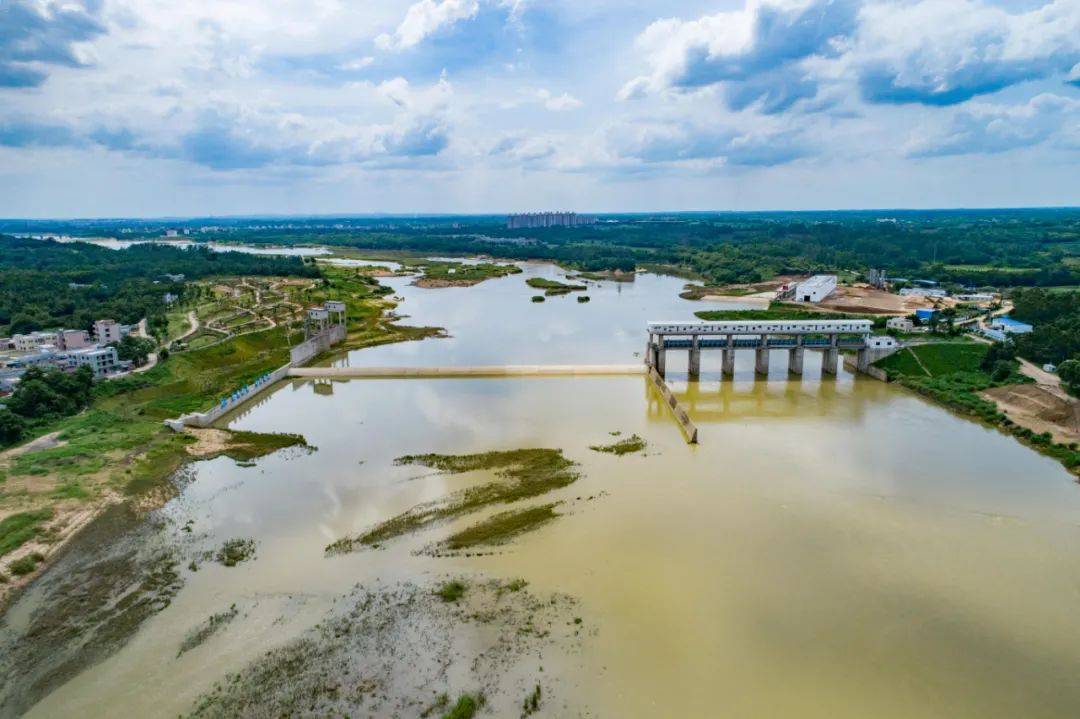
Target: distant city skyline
<point>144,108</point>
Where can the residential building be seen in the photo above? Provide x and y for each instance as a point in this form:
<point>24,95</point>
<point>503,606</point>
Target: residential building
<point>815,289</point>
<point>107,332</point>
<point>72,340</point>
<point>900,324</point>
<point>102,360</point>
<point>548,219</point>
<point>34,341</point>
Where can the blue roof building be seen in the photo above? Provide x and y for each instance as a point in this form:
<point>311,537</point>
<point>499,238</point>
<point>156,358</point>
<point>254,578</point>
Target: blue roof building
<point>1010,326</point>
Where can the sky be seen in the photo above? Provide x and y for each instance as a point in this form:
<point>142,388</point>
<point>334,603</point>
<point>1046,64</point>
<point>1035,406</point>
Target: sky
<point>115,108</point>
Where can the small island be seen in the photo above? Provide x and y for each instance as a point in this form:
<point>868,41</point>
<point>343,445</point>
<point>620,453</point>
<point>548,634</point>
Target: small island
<point>553,287</point>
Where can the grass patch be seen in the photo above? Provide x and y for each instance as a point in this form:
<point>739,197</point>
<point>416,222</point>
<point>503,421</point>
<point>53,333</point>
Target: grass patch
<point>523,474</point>
<point>25,565</point>
<point>18,529</point>
<point>70,490</point>
<point>235,551</point>
<point>531,704</point>
<point>452,274</point>
<point>778,311</point>
<point>207,629</point>
<point>501,527</point>
<point>631,444</point>
<point>553,287</point>
<point>451,591</point>
<point>466,707</point>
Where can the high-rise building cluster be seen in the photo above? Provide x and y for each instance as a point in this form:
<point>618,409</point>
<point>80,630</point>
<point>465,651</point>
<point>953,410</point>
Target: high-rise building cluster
<point>548,219</point>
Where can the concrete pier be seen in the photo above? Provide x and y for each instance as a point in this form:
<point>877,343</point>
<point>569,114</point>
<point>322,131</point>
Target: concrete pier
<point>795,360</point>
<point>694,366</point>
<point>661,361</point>
<point>829,360</point>
<point>761,360</point>
<point>729,363</point>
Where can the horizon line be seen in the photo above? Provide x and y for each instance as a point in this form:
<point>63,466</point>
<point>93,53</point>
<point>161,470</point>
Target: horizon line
<point>613,213</point>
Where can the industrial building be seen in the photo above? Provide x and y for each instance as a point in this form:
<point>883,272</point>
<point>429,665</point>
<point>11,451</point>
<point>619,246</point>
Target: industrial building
<point>815,289</point>
<point>1010,326</point>
<point>923,292</point>
<point>548,219</point>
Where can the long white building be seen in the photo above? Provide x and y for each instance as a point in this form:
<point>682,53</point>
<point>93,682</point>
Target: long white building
<point>754,327</point>
<point>815,289</point>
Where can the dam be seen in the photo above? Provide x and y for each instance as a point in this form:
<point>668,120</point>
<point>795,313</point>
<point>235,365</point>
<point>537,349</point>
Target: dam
<point>761,336</point>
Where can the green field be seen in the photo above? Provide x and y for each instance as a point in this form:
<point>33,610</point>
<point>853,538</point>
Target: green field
<point>934,360</point>
<point>780,311</point>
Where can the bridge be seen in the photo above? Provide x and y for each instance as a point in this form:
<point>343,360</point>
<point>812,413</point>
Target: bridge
<point>761,336</point>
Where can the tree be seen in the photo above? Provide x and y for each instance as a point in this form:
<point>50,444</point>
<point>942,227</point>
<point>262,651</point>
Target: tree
<point>1002,370</point>
<point>12,426</point>
<point>51,393</point>
<point>1069,372</point>
<point>134,349</point>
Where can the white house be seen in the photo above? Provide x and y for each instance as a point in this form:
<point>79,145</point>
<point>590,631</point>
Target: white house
<point>901,324</point>
<point>815,289</point>
<point>881,342</point>
<point>106,332</point>
<point>103,360</point>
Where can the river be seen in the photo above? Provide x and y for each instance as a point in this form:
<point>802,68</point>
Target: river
<point>834,547</point>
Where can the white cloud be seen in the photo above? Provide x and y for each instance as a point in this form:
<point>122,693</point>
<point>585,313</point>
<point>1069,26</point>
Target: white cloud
<point>558,103</point>
<point>425,18</point>
<point>773,53</point>
<point>941,52</point>
<point>991,128</point>
<point>357,64</point>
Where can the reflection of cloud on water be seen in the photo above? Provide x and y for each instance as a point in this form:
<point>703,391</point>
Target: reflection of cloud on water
<point>452,412</point>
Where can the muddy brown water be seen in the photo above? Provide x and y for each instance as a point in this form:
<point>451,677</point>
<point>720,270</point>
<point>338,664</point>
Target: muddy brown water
<point>833,547</point>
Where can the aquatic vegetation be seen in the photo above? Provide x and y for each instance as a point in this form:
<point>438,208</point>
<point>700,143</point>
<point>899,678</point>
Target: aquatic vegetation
<point>537,298</point>
<point>523,474</point>
<point>466,707</point>
<point>501,527</point>
<point>27,564</point>
<point>207,629</point>
<point>20,528</point>
<point>631,444</point>
<point>341,667</point>
<point>553,287</point>
<point>582,299</point>
<point>98,594</point>
<point>441,702</point>
<point>451,591</point>
<point>235,551</point>
<point>531,704</point>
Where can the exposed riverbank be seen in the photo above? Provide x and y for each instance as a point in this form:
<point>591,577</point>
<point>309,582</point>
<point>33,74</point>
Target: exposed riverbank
<point>117,451</point>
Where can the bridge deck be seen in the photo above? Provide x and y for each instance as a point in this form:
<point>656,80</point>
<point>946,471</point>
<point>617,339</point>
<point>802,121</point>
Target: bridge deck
<point>467,371</point>
<point>773,343</point>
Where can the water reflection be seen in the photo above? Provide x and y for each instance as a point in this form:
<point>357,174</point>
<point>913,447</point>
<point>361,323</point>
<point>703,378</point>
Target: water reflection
<point>833,548</point>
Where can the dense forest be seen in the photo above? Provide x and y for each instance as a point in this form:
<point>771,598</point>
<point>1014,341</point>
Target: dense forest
<point>46,284</point>
<point>1056,317</point>
<point>1037,247</point>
